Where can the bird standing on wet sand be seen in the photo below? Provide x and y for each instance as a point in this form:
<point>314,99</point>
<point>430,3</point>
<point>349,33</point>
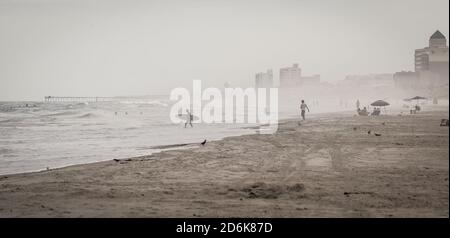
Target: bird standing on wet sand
<point>203,143</point>
<point>368,132</point>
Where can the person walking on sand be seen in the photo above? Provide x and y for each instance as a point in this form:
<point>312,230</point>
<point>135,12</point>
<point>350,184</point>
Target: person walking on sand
<point>189,118</point>
<point>303,107</point>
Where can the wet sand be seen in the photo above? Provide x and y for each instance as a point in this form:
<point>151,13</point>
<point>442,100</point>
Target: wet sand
<point>329,166</point>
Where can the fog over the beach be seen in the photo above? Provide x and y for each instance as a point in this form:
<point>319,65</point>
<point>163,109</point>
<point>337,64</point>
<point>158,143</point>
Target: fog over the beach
<point>117,47</point>
<point>224,108</point>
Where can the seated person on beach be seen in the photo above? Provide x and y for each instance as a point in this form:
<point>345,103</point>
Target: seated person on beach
<point>363,112</point>
<point>376,111</point>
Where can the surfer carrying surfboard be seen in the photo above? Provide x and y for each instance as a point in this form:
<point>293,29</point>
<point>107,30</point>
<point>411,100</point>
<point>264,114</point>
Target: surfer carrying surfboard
<point>189,118</point>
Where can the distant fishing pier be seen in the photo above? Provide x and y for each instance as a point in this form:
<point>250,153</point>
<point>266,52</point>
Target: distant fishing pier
<point>77,99</point>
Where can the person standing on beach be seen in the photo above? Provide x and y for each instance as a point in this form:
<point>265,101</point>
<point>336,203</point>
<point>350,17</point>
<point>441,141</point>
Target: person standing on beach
<point>303,108</point>
<point>189,118</point>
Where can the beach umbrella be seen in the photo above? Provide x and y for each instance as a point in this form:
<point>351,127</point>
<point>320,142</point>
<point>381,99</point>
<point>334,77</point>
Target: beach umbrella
<point>417,98</point>
<point>380,103</point>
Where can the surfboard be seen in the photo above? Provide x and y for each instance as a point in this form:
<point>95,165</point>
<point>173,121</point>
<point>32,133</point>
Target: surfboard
<point>184,117</point>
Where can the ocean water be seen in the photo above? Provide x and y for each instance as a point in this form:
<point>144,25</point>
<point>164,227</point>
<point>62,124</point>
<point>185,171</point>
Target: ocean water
<point>60,134</point>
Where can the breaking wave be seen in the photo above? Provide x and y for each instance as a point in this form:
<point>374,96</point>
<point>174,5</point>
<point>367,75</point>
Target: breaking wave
<point>152,103</point>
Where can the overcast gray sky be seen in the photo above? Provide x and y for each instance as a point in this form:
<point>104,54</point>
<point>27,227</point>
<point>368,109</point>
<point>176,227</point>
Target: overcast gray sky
<point>125,47</point>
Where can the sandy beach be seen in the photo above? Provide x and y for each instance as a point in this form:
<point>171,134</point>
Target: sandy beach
<point>329,166</point>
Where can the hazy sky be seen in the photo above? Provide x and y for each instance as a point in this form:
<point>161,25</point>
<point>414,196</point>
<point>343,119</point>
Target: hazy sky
<point>108,47</point>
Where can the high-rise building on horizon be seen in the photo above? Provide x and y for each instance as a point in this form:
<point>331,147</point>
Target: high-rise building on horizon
<point>264,80</point>
<point>432,61</point>
<point>290,76</point>
<point>437,40</point>
<point>430,65</point>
